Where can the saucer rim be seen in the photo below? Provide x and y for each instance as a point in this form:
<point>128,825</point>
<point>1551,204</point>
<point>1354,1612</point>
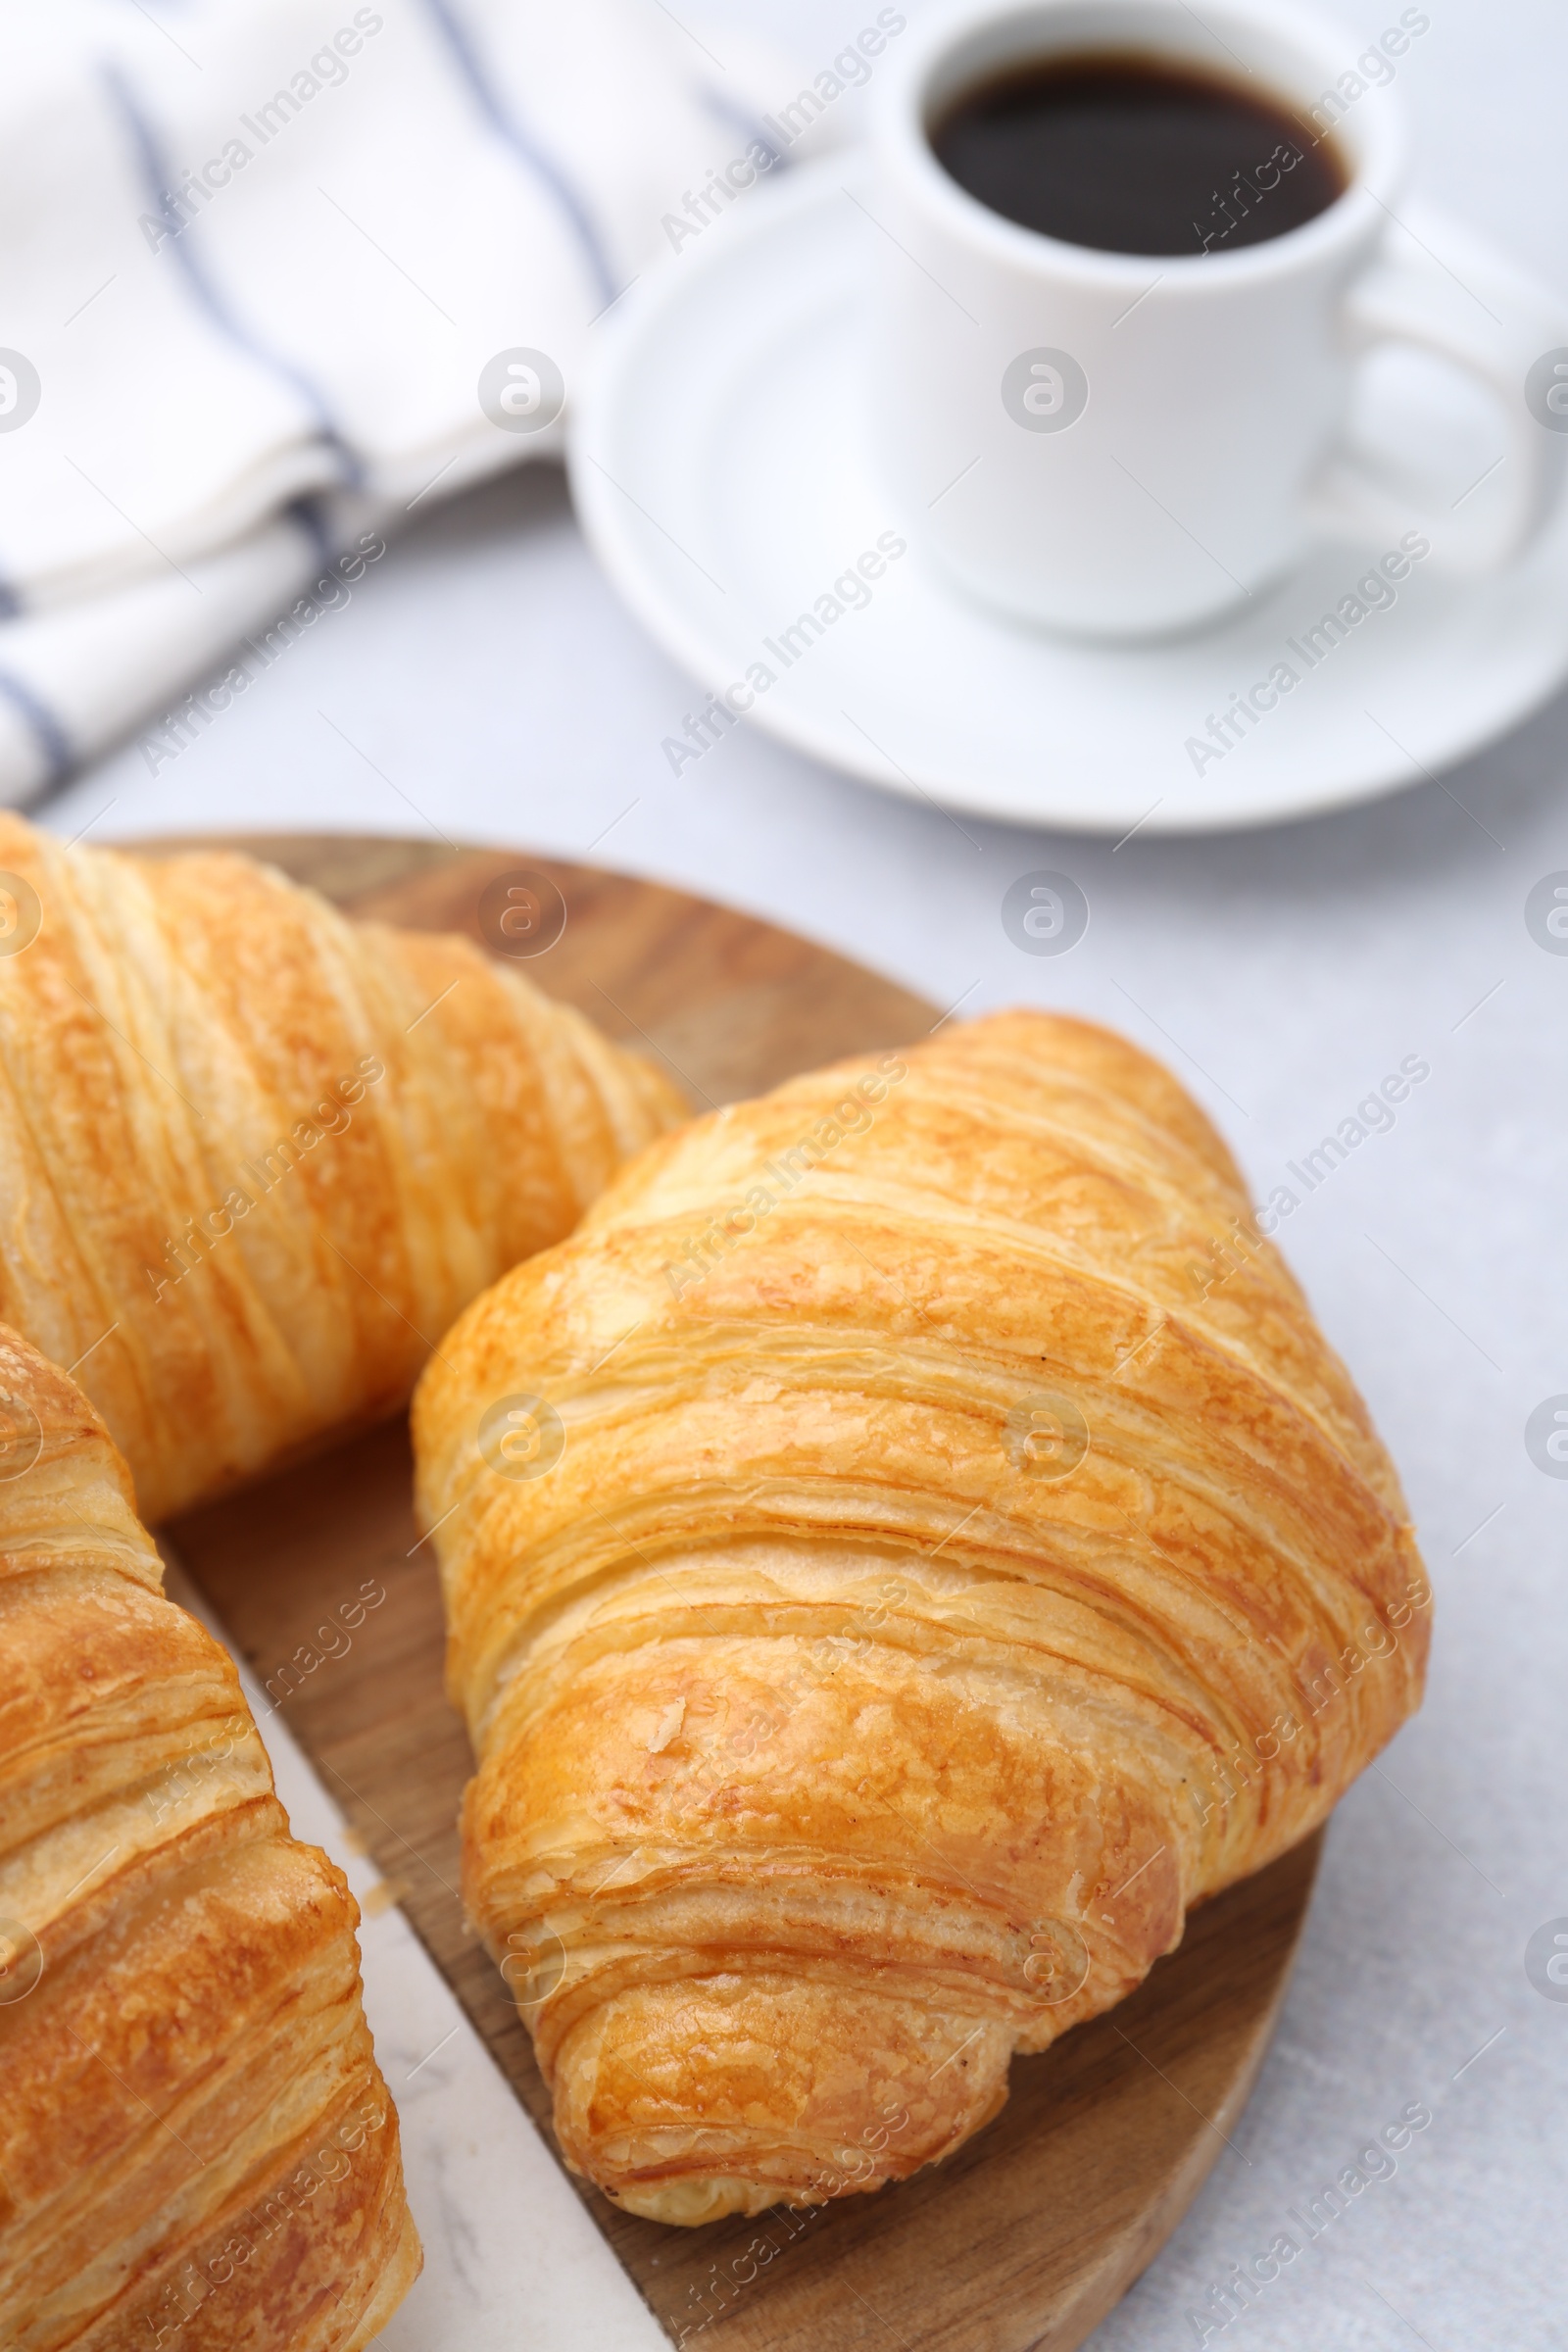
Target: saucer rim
<point>687,640</point>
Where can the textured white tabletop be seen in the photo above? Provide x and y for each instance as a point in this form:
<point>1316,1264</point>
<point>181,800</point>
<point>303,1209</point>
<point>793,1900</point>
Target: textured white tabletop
<point>484,683</point>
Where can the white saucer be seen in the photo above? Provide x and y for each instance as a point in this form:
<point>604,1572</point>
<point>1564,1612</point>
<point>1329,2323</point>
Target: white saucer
<point>722,470</point>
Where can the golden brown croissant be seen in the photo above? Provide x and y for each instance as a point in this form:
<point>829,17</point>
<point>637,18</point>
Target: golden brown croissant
<point>254,1158</point>
<point>196,2146</point>
<point>906,1548</point>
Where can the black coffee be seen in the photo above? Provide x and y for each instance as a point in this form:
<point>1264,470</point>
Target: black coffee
<point>1133,154</point>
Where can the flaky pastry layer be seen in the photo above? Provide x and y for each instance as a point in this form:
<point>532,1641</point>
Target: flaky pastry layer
<point>254,1158</point>
<point>961,1553</point>
<point>196,2144</point>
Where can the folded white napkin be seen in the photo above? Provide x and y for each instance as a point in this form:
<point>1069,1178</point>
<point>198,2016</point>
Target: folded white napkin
<point>273,275</point>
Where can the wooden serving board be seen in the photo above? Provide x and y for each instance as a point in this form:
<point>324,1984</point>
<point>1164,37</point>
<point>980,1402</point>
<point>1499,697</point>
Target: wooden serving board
<point>1029,2234</point>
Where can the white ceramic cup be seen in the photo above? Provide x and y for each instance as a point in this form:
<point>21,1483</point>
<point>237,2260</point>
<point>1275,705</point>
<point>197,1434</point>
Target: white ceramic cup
<point>1124,446</point>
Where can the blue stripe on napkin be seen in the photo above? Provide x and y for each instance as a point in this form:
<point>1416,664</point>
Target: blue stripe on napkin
<point>157,179</point>
<point>719,103</point>
<point>310,514</point>
<point>481,89</point>
<point>45,728</point>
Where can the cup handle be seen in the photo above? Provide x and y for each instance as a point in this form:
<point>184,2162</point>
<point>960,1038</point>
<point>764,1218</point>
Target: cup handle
<point>1447,295</point>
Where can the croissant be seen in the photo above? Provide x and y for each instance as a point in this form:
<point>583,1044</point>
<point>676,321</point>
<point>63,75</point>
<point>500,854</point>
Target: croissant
<point>255,1158</point>
<point>906,1549</point>
<point>194,2136</point>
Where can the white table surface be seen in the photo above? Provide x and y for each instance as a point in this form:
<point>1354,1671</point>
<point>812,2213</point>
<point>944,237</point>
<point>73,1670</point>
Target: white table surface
<point>484,683</point>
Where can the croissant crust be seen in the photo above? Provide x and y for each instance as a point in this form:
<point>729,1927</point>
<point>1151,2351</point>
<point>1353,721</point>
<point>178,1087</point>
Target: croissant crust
<point>196,2146</point>
<point>254,1158</point>
<point>938,1550</point>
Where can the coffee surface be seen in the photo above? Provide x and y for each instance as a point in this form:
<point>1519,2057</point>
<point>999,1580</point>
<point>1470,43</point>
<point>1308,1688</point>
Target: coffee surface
<point>1134,154</point>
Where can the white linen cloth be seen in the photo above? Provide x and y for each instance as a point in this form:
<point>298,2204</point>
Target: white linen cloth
<point>253,257</point>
